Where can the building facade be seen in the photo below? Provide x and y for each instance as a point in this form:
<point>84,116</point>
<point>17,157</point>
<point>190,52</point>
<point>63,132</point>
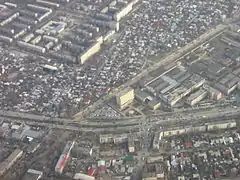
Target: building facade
<point>125,97</point>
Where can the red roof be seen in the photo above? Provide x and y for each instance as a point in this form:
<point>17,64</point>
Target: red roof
<point>188,144</point>
<point>101,168</point>
<point>217,174</point>
<point>91,171</point>
<point>63,162</point>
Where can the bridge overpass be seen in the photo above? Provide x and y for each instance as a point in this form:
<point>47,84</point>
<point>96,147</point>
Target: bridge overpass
<point>126,125</point>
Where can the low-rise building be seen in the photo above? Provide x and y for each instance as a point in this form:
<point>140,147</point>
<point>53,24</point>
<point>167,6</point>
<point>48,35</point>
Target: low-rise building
<point>176,90</point>
<point>188,129</point>
<point>221,125</point>
<point>213,93</point>
<point>153,171</point>
<point>106,138</point>
<point>156,140</point>
<point>142,96</point>
<point>121,138</point>
<point>150,178</point>
<point>227,84</point>
<point>174,131</point>
<point>26,131</point>
<point>154,104</point>
<point>131,145</point>
<point>196,97</point>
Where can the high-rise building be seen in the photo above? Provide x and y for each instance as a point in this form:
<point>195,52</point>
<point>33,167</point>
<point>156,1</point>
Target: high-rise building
<point>125,97</point>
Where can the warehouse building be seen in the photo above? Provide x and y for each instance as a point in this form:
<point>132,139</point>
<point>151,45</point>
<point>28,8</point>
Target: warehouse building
<point>154,104</point>
<point>227,84</point>
<point>125,97</point>
<point>25,131</point>
<point>174,84</point>
<point>213,93</point>
<point>209,69</point>
<point>196,97</point>
<point>142,96</point>
<point>237,71</point>
<point>177,91</point>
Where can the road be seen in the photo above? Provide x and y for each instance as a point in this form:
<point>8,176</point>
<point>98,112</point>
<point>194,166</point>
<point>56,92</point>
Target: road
<point>168,60</point>
<point>183,113</point>
<point>135,125</point>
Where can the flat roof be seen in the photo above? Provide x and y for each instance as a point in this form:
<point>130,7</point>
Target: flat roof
<point>154,102</point>
<point>174,72</point>
<point>197,94</point>
<point>141,94</point>
<point>124,91</point>
<point>31,176</point>
<point>156,82</point>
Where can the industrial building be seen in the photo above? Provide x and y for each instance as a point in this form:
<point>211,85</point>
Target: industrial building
<point>174,84</point>
<point>142,96</point>
<point>172,96</point>
<point>227,84</point>
<point>210,69</point>
<point>213,93</point>
<point>125,97</point>
<point>154,104</point>
<point>236,71</point>
<point>25,131</point>
<point>196,97</point>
